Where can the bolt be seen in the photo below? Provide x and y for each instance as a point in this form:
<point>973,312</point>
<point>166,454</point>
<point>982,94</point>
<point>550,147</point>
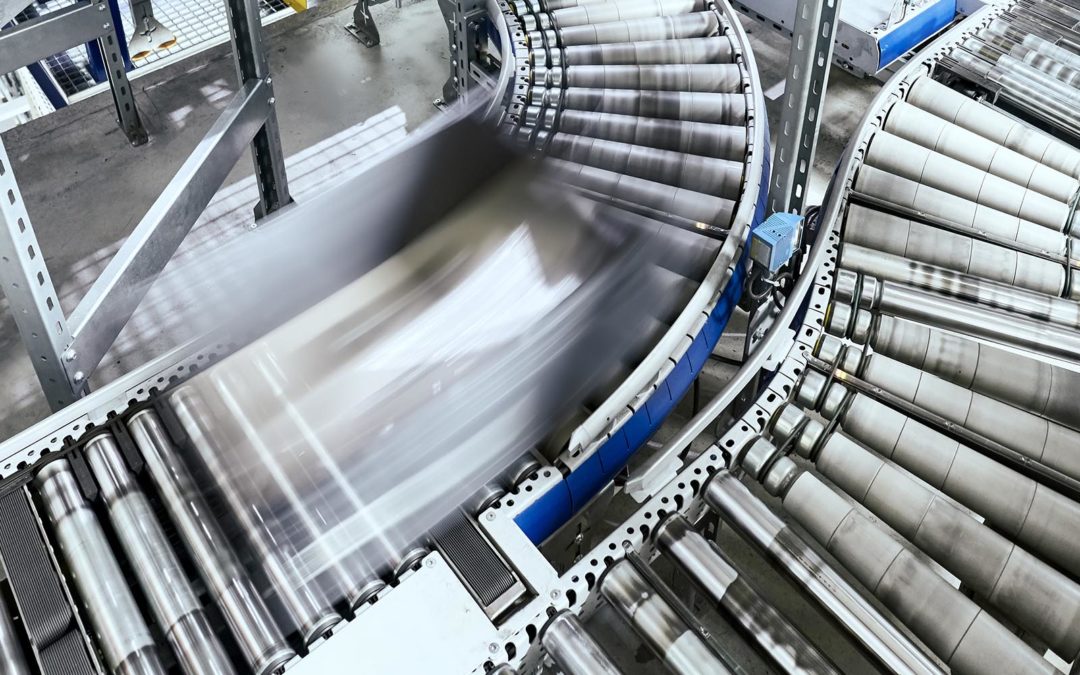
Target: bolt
<point>101,7</point>
<point>273,100</point>
<point>430,562</point>
<point>80,376</point>
<point>493,647</point>
<point>555,594</point>
<point>490,515</point>
<point>269,80</point>
<point>69,355</point>
<point>105,26</point>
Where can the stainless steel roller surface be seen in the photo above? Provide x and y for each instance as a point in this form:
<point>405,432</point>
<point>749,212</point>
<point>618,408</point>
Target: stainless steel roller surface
<point>715,78</point>
<point>120,630</point>
<point>994,125</point>
<point>259,638</point>
<point>672,105</point>
<point>1001,296</point>
<point>956,629</point>
<point>652,52</point>
<point>1029,383</point>
<point>959,210</point>
<point>971,319</point>
<point>930,131</point>
<point>882,231</point>
<point>921,165</point>
<point>818,578</point>
<point>678,647</point>
<point>624,10</point>
<point>709,140</point>
<point>708,175</point>
<point>711,570</point>
<point>1026,590</point>
<point>1033,515</point>
<point>175,605</point>
<point>698,24</point>
<point>572,649</point>
<point>1038,438</point>
<point>306,604</point>
<point>692,205</point>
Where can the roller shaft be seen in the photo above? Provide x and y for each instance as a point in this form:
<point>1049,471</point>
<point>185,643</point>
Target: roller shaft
<point>963,635</point>
<point>175,605</point>
<point>573,650</point>
<point>680,649</point>
<point>123,636</point>
<point>306,604</point>
<point>710,569</point>
<point>753,519</point>
<point>260,640</point>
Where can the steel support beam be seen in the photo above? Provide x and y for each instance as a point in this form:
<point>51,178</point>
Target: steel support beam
<point>804,98</point>
<point>30,292</point>
<point>58,31</point>
<point>113,298</point>
<point>253,63</point>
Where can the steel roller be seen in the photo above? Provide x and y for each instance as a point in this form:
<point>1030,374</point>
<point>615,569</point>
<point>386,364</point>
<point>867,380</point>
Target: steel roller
<point>122,634</point>
<point>652,52</point>
<point>572,649</point>
<point>924,166</point>
<point>963,635</point>
<point>306,604</point>
<point>625,10</point>
<point>708,78</point>
<point>666,198</point>
<point>1027,512</point>
<point>930,131</point>
<point>970,319</point>
<point>1043,388</point>
<point>707,175</point>
<point>310,489</point>
<point>1029,592</point>
<point>959,210</point>
<point>705,564</point>
<point>818,578</point>
<point>260,640</point>
<point>658,624</point>
<point>12,657</point>
<point>161,576</point>
<point>698,24</point>
<point>1031,435</point>
<point>1001,296</point>
<point>672,105</point>
<point>924,243</point>
<point>993,125</point>
<point>709,140</point>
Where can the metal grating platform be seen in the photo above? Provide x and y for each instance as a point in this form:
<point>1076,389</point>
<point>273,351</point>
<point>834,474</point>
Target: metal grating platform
<point>194,24</point>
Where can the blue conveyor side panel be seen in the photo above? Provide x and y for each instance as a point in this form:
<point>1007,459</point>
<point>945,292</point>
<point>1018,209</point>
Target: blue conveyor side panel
<point>541,519</point>
<point>911,33</point>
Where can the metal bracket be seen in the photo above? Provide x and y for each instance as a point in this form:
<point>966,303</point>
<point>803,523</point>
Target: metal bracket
<point>363,27</point>
<point>804,99</point>
<point>460,16</point>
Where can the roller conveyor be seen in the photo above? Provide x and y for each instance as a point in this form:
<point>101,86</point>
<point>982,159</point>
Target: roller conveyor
<point>922,455</point>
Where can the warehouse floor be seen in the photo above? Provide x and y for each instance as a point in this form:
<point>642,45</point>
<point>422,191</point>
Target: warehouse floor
<point>85,188</point>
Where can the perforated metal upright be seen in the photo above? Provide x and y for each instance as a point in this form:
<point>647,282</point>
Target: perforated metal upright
<point>55,32</point>
<point>253,63</point>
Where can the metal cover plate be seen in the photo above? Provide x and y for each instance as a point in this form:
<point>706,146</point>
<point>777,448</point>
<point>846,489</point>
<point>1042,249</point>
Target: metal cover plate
<point>429,624</point>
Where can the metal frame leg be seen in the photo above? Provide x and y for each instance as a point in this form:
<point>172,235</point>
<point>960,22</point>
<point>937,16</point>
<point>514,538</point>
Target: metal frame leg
<point>30,292</point>
<point>127,115</point>
<point>804,98</point>
<point>252,62</point>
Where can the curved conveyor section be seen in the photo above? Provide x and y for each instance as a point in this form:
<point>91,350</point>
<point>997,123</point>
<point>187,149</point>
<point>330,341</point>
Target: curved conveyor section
<point>648,106</point>
<point>929,423</point>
